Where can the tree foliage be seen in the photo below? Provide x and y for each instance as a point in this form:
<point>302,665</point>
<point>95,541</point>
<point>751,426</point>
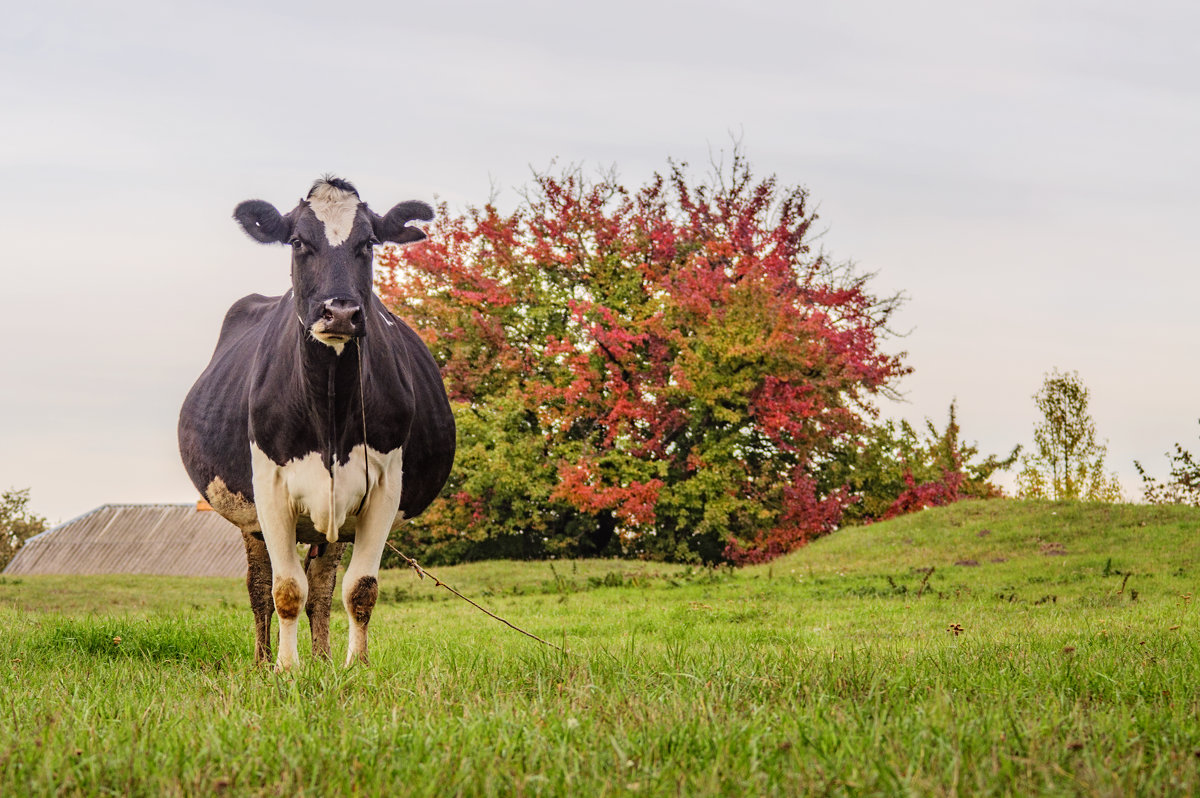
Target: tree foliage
<point>17,523</point>
<point>1067,462</point>
<point>893,469</point>
<point>1183,486</point>
<point>657,372</point>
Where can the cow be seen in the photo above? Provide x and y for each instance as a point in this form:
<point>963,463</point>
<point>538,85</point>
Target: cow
<point>321,419</point>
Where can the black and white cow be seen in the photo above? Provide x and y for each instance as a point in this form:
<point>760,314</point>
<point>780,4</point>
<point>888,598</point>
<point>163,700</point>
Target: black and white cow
<point>321,419</point>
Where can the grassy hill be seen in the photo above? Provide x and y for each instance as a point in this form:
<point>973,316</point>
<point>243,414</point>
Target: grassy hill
<point>1025,550</point>
<point>1016,536</point>
<point>995,648</point>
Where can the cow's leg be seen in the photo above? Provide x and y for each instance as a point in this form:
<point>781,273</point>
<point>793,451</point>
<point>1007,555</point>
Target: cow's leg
<point>258,584</point>
<point>289,586</point>
<point>360,586</point>
<point>322,576</point>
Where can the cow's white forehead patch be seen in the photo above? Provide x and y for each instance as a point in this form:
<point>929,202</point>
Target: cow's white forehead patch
<point>336,208</point>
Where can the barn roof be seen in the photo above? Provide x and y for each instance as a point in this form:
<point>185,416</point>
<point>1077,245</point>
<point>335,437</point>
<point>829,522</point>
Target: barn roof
<point>167,539</point>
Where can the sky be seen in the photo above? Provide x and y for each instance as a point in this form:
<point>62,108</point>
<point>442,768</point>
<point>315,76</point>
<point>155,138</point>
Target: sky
<point>1025,172</point>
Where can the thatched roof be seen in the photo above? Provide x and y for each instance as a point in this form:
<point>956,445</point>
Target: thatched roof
<point>167,539</point>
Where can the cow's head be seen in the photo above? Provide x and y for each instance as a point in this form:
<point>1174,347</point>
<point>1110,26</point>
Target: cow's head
<point>333,236</point>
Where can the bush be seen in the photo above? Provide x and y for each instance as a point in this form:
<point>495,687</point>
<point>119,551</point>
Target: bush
<point>892,469</point>
<point>17,523</point>
<point>1183,486</point>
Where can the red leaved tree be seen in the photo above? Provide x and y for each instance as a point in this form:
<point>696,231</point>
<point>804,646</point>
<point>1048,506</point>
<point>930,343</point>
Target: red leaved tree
<point>658,372</point>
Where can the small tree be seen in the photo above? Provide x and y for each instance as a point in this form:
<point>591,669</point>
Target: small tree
<point>17,523</point>
<point>1066,461</point>
<point>1183,486</point>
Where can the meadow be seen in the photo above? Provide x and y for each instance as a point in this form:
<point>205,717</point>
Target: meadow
<point>988,648</point>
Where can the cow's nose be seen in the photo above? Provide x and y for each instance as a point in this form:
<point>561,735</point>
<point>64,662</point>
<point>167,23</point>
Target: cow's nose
<point>341,316</point>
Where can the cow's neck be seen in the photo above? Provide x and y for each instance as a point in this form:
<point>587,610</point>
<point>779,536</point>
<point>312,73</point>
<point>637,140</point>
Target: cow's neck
<point>333,394</point>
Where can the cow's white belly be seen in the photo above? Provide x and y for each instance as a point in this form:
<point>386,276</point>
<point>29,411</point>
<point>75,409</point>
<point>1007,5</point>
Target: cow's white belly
<point>304,485</point>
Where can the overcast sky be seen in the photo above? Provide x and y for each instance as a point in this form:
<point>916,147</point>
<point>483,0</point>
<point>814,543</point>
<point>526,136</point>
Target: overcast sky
<point>1024,171</point>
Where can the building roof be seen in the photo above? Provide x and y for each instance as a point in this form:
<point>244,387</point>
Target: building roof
<point>167,539</point>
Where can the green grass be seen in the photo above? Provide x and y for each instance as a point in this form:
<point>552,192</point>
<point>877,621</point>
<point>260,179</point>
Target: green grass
<point>1061,657</point>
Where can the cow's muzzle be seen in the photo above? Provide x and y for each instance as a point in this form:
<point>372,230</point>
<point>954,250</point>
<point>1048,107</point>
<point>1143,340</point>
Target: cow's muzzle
<point>340,318</point>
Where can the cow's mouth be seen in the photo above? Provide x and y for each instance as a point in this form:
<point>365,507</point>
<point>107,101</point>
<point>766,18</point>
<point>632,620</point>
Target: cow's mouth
<point>334,338</point>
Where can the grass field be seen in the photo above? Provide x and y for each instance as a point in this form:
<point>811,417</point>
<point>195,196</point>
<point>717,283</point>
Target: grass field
<point>1052,649</point>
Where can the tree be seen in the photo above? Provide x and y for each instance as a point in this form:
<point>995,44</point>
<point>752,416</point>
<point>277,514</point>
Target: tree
<point>1183,486</point>
<point>892,469</point>
<point>656,373</point>
<point>17,523</point>
<point>1067,462</point>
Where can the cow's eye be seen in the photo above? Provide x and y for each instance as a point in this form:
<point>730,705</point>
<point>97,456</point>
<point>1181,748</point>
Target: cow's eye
<point>368,246</point>
<point>297,245</point>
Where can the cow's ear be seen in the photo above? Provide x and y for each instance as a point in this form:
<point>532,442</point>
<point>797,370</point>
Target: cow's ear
<point>394,225</point>
<point>263,222</point>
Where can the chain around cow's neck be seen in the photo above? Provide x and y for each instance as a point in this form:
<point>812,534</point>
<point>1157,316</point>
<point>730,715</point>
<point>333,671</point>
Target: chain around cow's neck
<point>362,404</point>
<point>332,444</point>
